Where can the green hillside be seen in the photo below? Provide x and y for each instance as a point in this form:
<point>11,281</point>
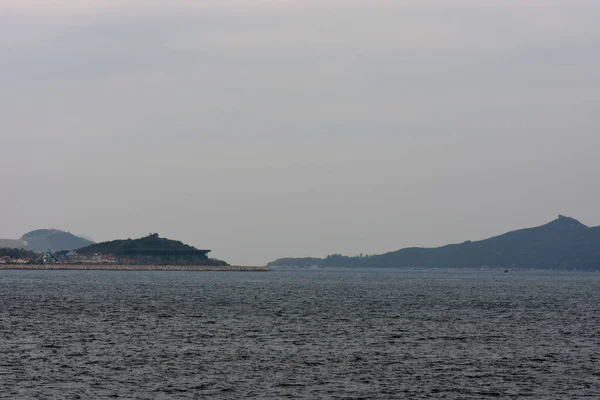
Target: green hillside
<point>151,242</point>
<point>151,249</point>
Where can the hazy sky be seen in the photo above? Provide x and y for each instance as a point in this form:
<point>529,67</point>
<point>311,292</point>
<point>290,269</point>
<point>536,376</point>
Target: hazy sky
<point>264,129</point>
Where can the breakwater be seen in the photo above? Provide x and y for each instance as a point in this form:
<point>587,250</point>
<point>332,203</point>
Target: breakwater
<point>115,267</point>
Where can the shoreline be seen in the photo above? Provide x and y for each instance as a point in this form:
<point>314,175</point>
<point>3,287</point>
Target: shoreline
<point>109,267</point>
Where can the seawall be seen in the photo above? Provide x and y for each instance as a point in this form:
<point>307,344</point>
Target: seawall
<point>113,267</point>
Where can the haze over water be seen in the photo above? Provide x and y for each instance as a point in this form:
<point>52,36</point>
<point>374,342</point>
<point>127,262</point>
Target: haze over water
<point>299,334</point>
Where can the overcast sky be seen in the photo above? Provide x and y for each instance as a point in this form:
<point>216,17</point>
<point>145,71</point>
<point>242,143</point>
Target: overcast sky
<point>264,129</point>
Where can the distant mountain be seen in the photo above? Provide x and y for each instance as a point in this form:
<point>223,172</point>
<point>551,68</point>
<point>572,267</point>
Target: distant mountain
<point>564,243</point>
<point>11,244</point>
<point>42,240</point>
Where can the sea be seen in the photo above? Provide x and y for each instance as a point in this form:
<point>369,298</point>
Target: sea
<point>299,334</point>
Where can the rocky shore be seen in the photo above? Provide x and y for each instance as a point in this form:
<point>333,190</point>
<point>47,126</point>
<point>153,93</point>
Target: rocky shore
<point>113,267</point>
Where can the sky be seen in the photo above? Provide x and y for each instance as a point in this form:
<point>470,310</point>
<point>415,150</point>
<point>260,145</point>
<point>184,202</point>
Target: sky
<point>267,129</point>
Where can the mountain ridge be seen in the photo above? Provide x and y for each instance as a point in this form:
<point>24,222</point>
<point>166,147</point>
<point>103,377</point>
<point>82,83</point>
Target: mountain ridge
<point>564,243</point>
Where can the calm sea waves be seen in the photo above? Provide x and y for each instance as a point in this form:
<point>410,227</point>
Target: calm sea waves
<point>302,334</point>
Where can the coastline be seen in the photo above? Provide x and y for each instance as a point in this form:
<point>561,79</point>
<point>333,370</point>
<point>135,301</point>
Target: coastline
<point>112,267</point>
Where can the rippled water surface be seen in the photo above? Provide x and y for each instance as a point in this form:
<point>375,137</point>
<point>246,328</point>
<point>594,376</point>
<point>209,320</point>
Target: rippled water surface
<point>334,334</point>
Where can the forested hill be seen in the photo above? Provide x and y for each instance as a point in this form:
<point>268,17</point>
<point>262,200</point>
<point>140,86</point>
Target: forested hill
<point>151,242</point>
<point>564,243</point>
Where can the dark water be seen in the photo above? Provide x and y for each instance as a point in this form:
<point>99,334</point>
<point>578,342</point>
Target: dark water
<point>178,335</point>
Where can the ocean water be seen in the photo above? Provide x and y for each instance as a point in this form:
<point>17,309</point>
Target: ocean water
<point>299,334</point>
